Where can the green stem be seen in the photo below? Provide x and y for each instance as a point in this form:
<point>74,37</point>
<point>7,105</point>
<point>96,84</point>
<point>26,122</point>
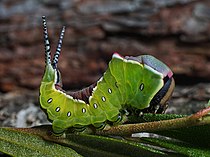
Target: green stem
<point>127,129</point>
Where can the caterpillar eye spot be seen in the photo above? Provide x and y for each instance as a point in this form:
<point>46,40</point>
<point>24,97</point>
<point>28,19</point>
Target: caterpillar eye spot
<point>57,109</point>
<point>109,91</point>
<point>103,98</point>
<point>69,114</point>
<point>49,100</point>
<point>95,105</point>
<point>141,87</point>
<point>83,110</point>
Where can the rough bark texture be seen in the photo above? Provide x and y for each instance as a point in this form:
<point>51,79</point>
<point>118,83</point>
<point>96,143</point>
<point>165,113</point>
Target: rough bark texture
<point>177,32</point>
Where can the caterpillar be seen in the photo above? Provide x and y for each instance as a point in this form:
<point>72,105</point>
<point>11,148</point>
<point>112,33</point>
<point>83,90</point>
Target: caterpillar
<point>141,82</point>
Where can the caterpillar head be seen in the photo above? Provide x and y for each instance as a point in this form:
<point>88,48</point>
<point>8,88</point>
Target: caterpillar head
<point>159,102</point>
<point>51,70</point>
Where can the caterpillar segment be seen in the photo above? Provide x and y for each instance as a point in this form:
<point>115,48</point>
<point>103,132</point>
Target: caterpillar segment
<point>143,83</point>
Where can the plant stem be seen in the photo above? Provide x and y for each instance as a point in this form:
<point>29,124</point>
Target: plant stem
<point>199,118</point>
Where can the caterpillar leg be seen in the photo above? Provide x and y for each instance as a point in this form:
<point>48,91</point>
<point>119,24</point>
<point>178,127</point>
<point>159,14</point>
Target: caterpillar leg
<point>115,120</point>
<point>120,119</point>
<point>58,128</point>
<point>100,126</point>
<point>80,129</point>
<point>53,134</point>
<point>58,132</point>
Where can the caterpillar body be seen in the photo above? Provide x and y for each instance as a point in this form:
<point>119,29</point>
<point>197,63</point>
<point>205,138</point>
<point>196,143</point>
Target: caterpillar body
<point>142,82</point>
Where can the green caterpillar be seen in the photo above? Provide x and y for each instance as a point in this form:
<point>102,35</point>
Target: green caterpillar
<point>142,82</point>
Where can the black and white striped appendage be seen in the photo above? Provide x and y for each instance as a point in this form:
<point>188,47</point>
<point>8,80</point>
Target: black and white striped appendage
<point>46,42</point>
<point>58,49</point>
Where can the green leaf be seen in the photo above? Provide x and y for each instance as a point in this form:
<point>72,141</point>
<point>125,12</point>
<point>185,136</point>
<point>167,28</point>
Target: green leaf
<point>29,142</point>
<point>188,136</point>
<point>106,146</point>
<point>91,145</point>
<point>180,147</point>
<point>196,135</point>
<point>19,143</point>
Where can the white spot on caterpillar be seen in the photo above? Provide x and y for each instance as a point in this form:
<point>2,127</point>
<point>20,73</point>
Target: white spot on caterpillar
<point>83,110</point>
<point>103,98</point>
<point>57,109</point>
<point>49,100</point>
<point>141,86</point>
<point>109,91</point>
<point>69,114</point>
<point>95,105</point>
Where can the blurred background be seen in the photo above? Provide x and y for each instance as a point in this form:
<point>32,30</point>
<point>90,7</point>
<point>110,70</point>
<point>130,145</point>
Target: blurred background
<point>176,31</point>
